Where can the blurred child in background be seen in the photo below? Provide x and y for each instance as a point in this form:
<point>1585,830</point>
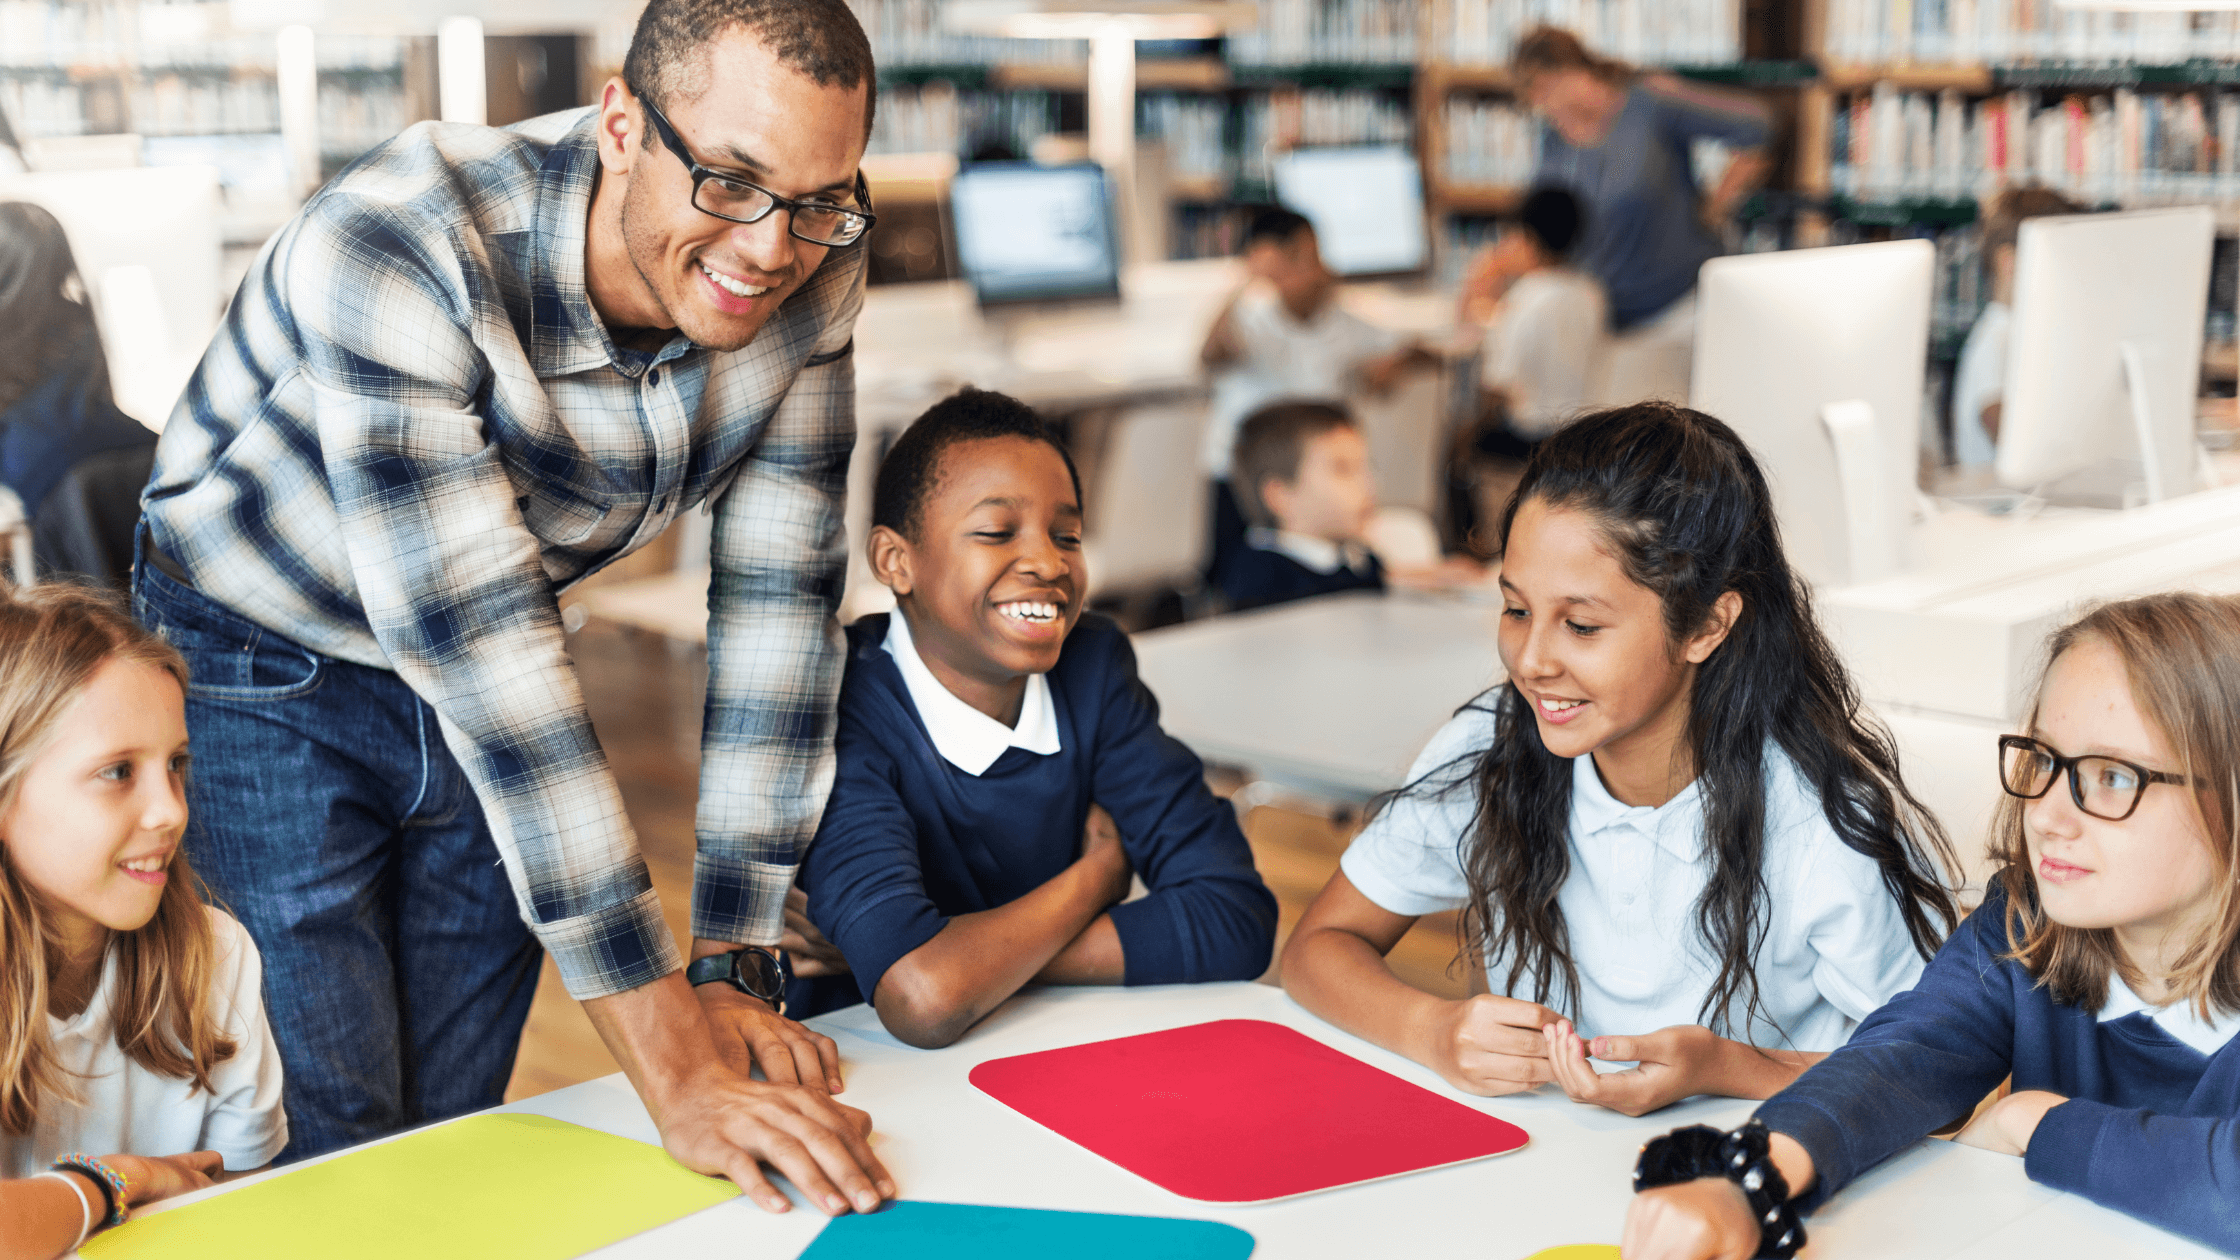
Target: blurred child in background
<point>1979,384</point>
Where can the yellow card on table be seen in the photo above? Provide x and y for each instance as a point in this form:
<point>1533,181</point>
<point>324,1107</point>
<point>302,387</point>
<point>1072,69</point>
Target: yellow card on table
<point>524,1187</point>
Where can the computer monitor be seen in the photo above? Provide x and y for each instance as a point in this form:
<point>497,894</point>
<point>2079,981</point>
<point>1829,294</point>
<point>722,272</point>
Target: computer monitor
<point>1816,357</point>
<point>1029,233</point>
<point>1366,204</point>
<point>2104,354</point>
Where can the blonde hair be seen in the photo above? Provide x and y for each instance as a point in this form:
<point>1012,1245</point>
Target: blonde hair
<point>52,639</point>
<point>2181,656</point>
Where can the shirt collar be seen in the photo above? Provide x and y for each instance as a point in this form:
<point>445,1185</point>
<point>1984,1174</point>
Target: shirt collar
<point>2178,1020</point>
<point>964,736</point>
<point>1676,825</point>
<point>1318,554</point>
<point>566,333</point>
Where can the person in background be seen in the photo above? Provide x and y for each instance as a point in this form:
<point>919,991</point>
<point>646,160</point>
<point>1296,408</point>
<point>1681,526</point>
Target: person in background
<point>2101,973</point>
<point>1301,477</point>
<point>1003,777</point>
<point>1544,324</point>
<point>1979,383</point>
<point>131,1021</point>
<point>1623,143</point>
<point>75,461</point>
<point>1282,334</point>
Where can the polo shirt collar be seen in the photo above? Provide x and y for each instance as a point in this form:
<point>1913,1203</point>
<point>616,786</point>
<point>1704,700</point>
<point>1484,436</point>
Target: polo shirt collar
<point>964,736</point>
<point>566,335</point>
<point>1318,554</point>
<point>1676,825</point>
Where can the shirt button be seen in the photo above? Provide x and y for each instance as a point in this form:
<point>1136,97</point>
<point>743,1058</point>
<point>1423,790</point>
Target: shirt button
<point>653,378</point>
<point>661,504</point>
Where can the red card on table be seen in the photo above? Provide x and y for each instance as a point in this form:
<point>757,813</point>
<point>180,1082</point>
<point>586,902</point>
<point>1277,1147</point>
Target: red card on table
<point>1241,1111</point>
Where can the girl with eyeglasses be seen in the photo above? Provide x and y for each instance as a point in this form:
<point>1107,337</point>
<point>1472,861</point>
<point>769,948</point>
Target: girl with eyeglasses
<point>2102,970</point>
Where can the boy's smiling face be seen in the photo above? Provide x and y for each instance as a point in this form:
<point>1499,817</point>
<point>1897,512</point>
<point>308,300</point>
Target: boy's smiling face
<point>993,582</point>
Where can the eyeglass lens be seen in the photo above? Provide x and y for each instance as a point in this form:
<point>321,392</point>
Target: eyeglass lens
<point>826,226</point>
<point>2109,788</point>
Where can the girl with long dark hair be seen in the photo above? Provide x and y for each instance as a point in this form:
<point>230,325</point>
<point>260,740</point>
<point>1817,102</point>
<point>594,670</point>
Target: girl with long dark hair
<point>1675,839</point>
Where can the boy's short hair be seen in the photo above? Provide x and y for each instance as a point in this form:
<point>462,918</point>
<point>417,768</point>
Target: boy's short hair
<point>1277,224</point>
<point>667,59</point>
<point>1554,218</point>
<point>1271,442</point>
<point>2002,219</point>
<point>908,475</point>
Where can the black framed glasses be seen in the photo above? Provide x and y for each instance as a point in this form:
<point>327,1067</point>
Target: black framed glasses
<point>2104,787</point>
<point>730,197</point>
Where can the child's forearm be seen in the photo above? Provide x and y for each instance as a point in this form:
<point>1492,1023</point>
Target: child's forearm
<point>1742,1070</point>
<point>1341,976</point>
<point>938,990</point>
<point>1093,957</point>
<point>40,1218</point>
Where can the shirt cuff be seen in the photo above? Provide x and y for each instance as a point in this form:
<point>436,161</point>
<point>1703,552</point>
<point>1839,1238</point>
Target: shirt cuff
<point>1821,1135</point>
<point>2060,1153</point>
<point>608,951</point>
<point>1150,942</point>
<point>738,899</point>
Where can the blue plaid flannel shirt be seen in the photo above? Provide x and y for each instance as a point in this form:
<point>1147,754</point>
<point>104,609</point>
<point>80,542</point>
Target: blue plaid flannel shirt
<point>412,432</point>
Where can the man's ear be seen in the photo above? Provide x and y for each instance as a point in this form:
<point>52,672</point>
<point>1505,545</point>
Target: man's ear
<point>619,123</point>
<point>1279,497</point>
<point>891,559</point>
<point>1725,611</point>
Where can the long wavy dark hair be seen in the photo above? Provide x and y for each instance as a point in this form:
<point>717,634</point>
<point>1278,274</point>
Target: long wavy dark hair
<point>1684,509</point>
<point>45,319</point>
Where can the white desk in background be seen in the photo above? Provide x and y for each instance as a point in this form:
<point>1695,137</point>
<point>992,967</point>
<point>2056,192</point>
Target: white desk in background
<point>947,1142</point>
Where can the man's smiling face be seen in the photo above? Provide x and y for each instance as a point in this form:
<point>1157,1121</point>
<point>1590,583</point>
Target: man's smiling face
<point>765,122</point>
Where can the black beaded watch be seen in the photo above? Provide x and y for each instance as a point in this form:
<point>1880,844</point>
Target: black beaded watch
<point>753,970</point>
<point>1741,1157</point>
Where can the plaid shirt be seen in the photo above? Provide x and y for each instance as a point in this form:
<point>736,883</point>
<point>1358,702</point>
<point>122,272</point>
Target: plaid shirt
<point>413,432</point>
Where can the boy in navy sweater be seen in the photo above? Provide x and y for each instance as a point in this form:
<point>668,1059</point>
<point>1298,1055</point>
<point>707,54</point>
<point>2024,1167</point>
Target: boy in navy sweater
<point>1301,475</point>
<point>2102,970</point>
<point>1002,774</point>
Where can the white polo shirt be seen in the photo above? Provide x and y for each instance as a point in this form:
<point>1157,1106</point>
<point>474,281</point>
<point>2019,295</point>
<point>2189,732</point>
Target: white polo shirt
<point>129,1110</point>
<point>1282,358</point>
<point>964,736</point>
<point>1835,946</point>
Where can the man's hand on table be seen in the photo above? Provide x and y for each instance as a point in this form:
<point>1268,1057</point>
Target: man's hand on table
<point>714,1119</point>
<point>749,1034</point>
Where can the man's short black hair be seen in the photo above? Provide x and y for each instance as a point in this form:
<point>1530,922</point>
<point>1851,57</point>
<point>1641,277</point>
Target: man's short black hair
<point>910,472</point>
<point>1275,223</point>
<point>668,61</point>
<point>1270,443</point>
<point>1554,218</point>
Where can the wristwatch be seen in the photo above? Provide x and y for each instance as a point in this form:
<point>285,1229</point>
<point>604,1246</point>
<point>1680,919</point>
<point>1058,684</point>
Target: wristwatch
<point>753,970</point>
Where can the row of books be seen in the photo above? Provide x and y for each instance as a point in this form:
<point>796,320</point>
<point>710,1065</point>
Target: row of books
<point>938,118</point>
<point>1644,32</point>
<point>1353,32</point>
<point>202,105</point>
<point>1490,140</point>
<point>1275,122</point>
<point>64,33</point>
<point>1194,130</point>
<point>2123,146</point>
<point>1877,32</point>
<point>914,33</point>
<point>357,114</point>
<point>39,107</point>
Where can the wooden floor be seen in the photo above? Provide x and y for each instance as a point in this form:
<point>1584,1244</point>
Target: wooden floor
<point>645,696</point>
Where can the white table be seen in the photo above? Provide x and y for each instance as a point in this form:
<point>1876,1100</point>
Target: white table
<point>946,1141</point>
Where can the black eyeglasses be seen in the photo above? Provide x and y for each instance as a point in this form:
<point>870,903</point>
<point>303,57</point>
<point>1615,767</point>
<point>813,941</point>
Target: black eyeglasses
<point>2104,787</point>
<point>729,197</point>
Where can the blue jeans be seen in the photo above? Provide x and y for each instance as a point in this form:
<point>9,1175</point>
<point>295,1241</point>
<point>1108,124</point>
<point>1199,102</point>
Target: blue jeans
<point>326,813</point>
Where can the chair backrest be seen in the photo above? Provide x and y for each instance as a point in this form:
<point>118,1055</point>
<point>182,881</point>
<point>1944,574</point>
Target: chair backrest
<point>1147,508</point>
<point>1406,432</point>
<point>1404,538</point>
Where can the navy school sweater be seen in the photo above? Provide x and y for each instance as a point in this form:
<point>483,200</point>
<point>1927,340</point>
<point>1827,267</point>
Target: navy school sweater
<point>2152,1127</point>
<point>1256,577</point>
<point>909,839</point>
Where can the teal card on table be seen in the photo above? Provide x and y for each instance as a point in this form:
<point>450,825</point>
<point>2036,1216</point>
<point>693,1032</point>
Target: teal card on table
<point>964,1231</point>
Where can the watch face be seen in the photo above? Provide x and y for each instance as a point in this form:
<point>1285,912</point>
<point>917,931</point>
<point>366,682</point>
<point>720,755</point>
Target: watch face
<point>758,974</point>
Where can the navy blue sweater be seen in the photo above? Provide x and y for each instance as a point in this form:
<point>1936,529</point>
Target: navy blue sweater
<point>2149,1129</point>
<point>909,839</point>
<point>1256,577</point>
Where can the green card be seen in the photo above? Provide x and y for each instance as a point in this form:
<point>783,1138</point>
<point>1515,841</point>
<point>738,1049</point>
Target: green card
<point>524,1187</point>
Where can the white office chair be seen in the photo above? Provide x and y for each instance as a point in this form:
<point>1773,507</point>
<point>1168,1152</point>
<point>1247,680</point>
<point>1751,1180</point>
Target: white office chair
<point>1147,510</point>
<point>1406,432</point>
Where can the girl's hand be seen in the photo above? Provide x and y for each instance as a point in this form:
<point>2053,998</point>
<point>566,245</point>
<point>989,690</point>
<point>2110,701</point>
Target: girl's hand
<point>155,1178</point>
<point>1674,1064</point>
<point>1489,1045</point>
<point>2006,1126</point>
<point>1704,1219</point>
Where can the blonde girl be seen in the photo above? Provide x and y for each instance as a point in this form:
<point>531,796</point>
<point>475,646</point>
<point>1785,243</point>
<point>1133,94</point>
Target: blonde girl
<point>2102,970</point>
<point>130,1021</point>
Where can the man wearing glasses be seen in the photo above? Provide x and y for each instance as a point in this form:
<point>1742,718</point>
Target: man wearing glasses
<point>477,367</point>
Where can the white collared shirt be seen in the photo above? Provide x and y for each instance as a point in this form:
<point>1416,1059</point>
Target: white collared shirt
<point>1835,947</point>
<point>2177,1019</point>
<point>1318,554</point>
<point>964,736</point>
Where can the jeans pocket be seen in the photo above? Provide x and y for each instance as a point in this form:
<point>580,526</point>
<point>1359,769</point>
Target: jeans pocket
<point>229,657</point>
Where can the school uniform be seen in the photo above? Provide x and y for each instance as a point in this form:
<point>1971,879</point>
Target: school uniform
<point>1835,945</point>
<point>1542,349</point>
<point>1979,380</point>
<point>2152,1125</point>
<point>1277,566</point>
<point>127,1109</point>
<point>940,810</point>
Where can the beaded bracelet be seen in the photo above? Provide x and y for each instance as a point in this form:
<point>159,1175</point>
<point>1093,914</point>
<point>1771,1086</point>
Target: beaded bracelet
<point>1742,1157</point>
<point>115,1187</point>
